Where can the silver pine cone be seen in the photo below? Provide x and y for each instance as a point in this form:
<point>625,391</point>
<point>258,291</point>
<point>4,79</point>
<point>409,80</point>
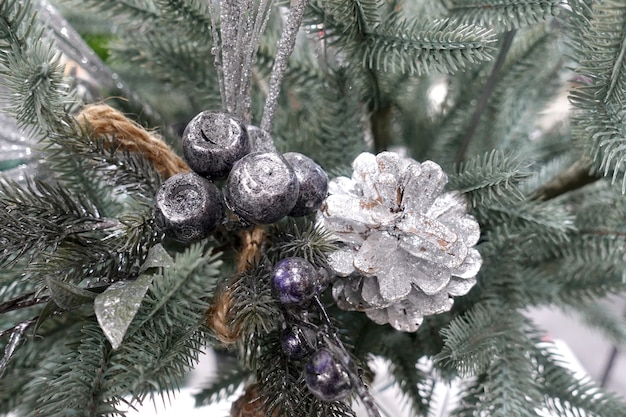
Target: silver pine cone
<point>406,246</point>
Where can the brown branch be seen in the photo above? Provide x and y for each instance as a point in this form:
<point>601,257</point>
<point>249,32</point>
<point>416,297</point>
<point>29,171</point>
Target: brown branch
<point>572,178</point>
<point>484,97</point>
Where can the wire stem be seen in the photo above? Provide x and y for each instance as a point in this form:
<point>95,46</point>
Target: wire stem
<point>337,347</point>
<point>17,334</point>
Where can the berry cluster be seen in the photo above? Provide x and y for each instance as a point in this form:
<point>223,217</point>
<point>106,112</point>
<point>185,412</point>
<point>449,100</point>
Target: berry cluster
<point>261,187</point>
<point>295,282</point>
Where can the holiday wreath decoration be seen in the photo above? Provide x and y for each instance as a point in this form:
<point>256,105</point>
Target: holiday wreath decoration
<point>154,206</point>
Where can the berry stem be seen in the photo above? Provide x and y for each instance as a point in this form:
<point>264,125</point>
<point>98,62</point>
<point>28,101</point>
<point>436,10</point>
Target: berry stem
<point>339,349</point>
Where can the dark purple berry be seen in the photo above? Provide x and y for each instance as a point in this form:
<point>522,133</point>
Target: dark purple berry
<point>213,142</point>
<point>313,183</point>
<point>294,280</point>
<point>261,188</point>
<point>327,379</point>
<point>295,344</point>
<point>188,207</point>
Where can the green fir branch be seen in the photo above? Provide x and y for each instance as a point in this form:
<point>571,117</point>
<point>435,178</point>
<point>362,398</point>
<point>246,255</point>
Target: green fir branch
<point>177,61</point>
<point>166,337</point>
<point>414,48</point>
<point>300,238</point>
<point>341,117</point>
<point>123,172</point>
<point>500,14</point>
<point>254,310</point>
<point>492,177</point>
<point>130,12</point>
<point>115,255</point>
<point>72,382</point>
<point>416,385</point>
<point>545,223</point>
<point>181,291</point>
<point>191,15</point>
<point>37,217</point>
<point>599,54</point>
<point>493,341</point>
<point>588,267</point>
<point>598,317</point>
<point>155,360</point>
<point>30,66</point>
<point>566,392</point>
<point>525,87</point>
<point>222,386</point>
<point>475,339</point>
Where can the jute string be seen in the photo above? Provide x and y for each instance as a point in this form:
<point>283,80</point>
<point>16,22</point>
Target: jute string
<point>218,315</point>
<point>105,121</point>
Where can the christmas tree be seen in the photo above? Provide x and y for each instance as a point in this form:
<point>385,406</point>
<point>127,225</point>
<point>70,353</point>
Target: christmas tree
<point>243,176</point>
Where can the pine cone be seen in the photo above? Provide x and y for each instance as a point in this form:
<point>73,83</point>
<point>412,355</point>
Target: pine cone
<point>406,246</point>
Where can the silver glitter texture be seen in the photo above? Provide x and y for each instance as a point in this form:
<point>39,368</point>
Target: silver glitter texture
<point>188,207</point>
<point>261,188</point>
<point>313,183</point>
<point>212,143</point>
<point>406,245</point>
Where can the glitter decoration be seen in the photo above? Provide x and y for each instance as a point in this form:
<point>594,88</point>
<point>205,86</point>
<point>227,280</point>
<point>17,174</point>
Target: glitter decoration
<point>313,184</point>
<point>213,142</point>
<point>406,246</point>
<point>241,26</point>
<point>261,188</point>
<point>188,207</point>
<point>285,46</point>
<point>326,377</point>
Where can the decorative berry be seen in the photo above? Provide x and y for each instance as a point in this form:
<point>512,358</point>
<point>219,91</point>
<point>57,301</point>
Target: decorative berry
<point>188,207</point>
<point>213,142</point>
<point>327,379</point>
<point>262,187</point>
<point>313,183</point>
<point>295,280</point>
<point>294,344</point>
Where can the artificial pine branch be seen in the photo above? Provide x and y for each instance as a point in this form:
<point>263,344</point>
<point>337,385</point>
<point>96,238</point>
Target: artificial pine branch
<point>31,67</point>
<point>562,251</point>
<point>599,317</point>
<point>600,64</point>
<point>565,392</point>
<point>444,47</point>
<point>416,385</point>
<point>503,15</point>
<point>492,177</point>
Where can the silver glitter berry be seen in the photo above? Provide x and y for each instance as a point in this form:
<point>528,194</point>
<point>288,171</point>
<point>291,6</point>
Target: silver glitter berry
<point>212,143</point>
<point>262,187</point>
<point>407,246</point>
<point>188,207</point>
<point>313,183</point>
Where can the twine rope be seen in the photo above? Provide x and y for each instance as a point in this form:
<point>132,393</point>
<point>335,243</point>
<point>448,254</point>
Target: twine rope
<point>218,316</point>
<point>105,121</point>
